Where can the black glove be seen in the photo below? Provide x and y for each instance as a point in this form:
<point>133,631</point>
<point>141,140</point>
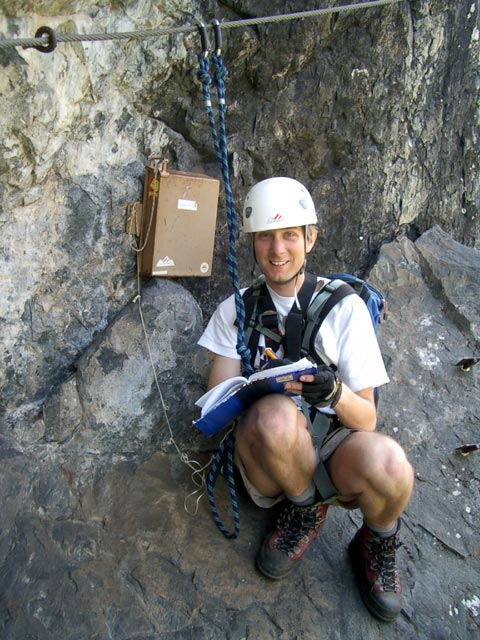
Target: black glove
<point>325,390</point>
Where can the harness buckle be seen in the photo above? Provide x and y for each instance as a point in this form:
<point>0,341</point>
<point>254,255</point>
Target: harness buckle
<point>268,319</point>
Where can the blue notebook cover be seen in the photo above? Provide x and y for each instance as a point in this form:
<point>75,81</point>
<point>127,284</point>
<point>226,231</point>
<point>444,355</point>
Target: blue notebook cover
<point>229,398</point>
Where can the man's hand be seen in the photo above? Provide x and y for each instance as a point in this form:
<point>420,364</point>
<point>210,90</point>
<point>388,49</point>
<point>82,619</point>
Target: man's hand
<point>324,390</point>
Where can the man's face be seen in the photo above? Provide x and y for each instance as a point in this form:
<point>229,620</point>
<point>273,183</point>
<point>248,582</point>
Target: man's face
<point>280,254</point>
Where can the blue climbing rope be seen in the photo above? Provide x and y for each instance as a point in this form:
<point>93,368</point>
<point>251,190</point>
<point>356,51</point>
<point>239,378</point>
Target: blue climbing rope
<point>224,457</point>
<point>204,76</point>
<point>224,462</point>
<point>242,349</point>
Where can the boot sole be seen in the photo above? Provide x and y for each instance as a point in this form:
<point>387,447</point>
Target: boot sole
<point>269,574</point>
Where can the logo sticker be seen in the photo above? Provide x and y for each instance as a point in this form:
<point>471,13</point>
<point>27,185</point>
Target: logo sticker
<point>204,267</point>
<point>165,262</point>
<point>276,218</point>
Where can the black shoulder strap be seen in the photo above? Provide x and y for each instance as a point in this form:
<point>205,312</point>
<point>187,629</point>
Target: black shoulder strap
<point>321,306</point>
<point>250,300</point>
<point>295,321</point>
<point>261,317</point>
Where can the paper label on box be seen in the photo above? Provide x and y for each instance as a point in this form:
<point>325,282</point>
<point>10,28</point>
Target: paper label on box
<point>187,205</point>
<point>165,262</point>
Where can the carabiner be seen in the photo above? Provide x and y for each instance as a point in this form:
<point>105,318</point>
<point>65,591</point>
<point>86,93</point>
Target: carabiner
<point>218,36</point>
<point>203,37</point>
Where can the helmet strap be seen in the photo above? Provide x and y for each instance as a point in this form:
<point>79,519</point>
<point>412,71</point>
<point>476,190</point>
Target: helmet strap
<point>297,302</point>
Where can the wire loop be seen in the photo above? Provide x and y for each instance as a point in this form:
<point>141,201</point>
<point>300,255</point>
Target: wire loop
<point>51,43</point>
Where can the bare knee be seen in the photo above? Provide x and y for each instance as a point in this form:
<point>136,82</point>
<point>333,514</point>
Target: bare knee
<point>391,474</point>
<point>271,421</point>
<point>374,460</point>
<point>396,467</point>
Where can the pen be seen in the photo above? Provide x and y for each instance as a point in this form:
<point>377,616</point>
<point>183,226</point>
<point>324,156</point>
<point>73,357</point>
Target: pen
<point>270,354</point>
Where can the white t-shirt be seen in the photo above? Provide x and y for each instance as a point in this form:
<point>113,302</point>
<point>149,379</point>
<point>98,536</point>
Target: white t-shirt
<point>346,338</point>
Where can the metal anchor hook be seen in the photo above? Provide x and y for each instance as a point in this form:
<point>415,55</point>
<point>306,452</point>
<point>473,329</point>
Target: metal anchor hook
<point>50,46</point>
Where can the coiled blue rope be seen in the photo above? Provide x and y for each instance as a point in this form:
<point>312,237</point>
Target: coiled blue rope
<point>224,455</point>
<point>224,458</point>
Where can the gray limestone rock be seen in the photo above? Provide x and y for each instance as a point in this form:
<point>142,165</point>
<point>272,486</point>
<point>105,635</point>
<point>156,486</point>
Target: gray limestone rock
<point>376,111</point>
<point>110,542</point>
<point>126,396</point>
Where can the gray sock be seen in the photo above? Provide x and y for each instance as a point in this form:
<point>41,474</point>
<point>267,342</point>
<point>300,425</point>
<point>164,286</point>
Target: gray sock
<point>304,499</point>
<point>383,533</point>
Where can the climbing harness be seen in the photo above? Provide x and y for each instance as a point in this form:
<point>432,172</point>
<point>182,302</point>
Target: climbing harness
<point>318,425</point>
<point>261,317</point>
<point>301,327</point>
<point>304,319</point>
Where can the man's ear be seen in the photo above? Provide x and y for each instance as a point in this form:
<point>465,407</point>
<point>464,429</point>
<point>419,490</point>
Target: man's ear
<point>310,241</point>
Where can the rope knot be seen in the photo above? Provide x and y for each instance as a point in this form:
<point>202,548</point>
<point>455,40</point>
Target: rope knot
<point>220,70</point>
<point>203,72</point>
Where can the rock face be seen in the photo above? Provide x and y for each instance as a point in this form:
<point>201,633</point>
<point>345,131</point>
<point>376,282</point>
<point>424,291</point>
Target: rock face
<point>376,111</point>
<point>107,546</point>
<point>113,404</point>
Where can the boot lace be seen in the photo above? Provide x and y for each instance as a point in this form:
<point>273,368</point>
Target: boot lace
<point>296,525</point>
<point>383,561</point>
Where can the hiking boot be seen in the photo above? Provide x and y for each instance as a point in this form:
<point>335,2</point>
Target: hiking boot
<point>282,549</point>
<point>375,568</point>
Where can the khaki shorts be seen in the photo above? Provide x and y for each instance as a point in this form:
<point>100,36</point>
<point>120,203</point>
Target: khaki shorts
<point>333,439</point>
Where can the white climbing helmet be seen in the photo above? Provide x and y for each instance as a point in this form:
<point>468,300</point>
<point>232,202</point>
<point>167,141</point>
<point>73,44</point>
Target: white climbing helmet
<point>277,203</point>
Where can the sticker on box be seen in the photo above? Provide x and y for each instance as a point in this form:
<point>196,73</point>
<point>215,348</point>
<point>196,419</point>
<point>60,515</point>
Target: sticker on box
<point>165,262</point>
<point>187,205</point>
